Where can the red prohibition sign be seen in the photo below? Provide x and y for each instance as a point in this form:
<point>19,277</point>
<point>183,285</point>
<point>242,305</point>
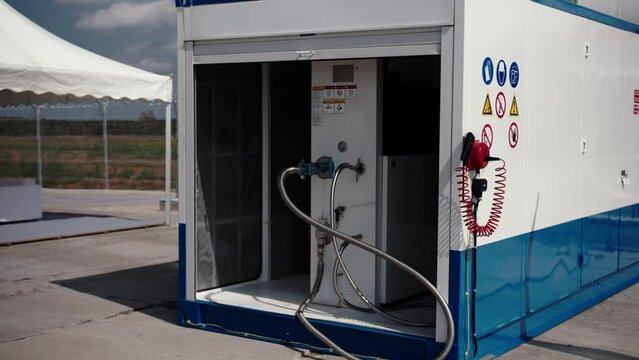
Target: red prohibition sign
<point>487,135</point>
<point>513,135</point>
<point>500,104</point>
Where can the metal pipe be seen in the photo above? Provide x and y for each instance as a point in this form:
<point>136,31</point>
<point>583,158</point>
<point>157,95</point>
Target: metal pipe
<point>39,141</point>
<point>105,143</point>
<point>167,165</point>
<point>362,245</point>
<point>300,311</point>
<point>339,261</point>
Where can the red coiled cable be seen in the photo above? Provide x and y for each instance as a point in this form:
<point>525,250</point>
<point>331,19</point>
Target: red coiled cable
<point>465,200</point>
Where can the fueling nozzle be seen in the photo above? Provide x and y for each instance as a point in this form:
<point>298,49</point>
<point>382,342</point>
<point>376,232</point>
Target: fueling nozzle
<point>323,167</point>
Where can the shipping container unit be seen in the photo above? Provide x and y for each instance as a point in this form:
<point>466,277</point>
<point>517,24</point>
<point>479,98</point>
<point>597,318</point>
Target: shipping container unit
<point>485,152</point>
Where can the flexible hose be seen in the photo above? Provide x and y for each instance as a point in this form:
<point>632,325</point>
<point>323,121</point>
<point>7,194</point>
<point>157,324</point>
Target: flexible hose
<point>339,262</point>
<point>304,305</point>
<point>362,245</point>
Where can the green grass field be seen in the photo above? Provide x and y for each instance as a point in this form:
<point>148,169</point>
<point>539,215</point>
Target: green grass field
<point>135,162</point>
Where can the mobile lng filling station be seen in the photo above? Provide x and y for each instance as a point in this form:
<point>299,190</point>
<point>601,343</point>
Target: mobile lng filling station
<point>405,180</point>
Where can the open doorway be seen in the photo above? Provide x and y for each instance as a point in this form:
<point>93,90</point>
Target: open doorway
<point>397,102</point>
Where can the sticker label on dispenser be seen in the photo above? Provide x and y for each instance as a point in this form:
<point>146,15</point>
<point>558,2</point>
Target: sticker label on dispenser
<point>329,94</point>
<point>351,91</point>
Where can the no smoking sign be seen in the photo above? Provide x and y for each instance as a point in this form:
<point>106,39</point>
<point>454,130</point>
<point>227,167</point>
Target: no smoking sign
<point>487,136</point>
<point>513,135</point>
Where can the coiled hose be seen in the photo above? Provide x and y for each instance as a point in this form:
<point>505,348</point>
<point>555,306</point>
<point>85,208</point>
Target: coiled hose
<point>468,207</point>
<point>339,262</point>
<point>281,179</point>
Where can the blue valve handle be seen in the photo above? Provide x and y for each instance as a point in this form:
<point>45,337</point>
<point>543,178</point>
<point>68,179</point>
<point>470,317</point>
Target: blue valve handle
<point>324,167</point>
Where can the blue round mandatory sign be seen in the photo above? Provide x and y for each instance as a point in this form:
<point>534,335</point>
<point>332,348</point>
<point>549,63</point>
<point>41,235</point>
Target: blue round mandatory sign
<point>514,74</point>
<point>487,71</point>
<point>501,72</point>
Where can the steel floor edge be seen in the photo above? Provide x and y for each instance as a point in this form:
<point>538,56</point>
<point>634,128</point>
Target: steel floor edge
<point>366,343</point>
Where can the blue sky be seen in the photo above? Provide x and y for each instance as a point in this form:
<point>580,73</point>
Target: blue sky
<point>140,33</point>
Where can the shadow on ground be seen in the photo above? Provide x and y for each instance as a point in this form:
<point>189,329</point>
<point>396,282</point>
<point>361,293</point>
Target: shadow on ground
<point>143,289</point>
<point>586,352</point>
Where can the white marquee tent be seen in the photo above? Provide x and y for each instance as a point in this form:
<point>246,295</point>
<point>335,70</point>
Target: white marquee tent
<point>38,68</point>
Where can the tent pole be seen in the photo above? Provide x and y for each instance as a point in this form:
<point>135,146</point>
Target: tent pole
<point>167,166</point>
<point>39,141</point>
<point>105,142</point>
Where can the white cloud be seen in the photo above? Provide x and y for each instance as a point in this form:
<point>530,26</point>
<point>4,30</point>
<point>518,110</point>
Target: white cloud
<point>154,65</point>
<point>83,2</point>
<point>121,15</point>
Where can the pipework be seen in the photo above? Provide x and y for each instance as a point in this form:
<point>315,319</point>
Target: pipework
<point>339,261</point>
<point>281,179</point>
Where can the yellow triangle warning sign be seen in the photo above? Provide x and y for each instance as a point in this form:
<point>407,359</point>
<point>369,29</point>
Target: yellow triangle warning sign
<point>514,109</point>
<point>488,109</point>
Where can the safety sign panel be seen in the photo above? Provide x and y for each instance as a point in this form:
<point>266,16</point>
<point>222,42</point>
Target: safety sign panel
<point>488,109</point>
<point>500,105</point>
<point>514,108</point>
<point>487,136</point>
<point>514,74</point>
<point>331,99</point>
<point>636,105</point>
<point>487,71</point>
<point>501,72</point>
<point>513,135</point>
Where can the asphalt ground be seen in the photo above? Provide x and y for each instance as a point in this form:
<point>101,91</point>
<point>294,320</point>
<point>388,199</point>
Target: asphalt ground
<point>112,296</point>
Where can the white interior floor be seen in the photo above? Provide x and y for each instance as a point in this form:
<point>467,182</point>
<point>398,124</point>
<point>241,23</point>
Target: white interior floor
<point>283,296</point>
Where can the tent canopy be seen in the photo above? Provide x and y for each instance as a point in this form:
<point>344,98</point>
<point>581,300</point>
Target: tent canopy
<point>37,67</point>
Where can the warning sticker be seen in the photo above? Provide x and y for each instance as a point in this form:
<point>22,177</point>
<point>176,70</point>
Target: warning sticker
<point>331,99</point>
<point>500,105</point>
<point>351,91</point>
<point>513,135</point>
<point>487,136</point>
<point>488,109</point>
<point>514,109</point>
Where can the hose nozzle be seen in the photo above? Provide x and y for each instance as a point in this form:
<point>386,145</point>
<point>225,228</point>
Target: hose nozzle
<point>323,168</point>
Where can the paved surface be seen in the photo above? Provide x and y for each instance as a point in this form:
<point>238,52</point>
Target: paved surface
<point>74,212</point>
<point>58,225</point>
<point>607,331</point>
<point>111,296</point>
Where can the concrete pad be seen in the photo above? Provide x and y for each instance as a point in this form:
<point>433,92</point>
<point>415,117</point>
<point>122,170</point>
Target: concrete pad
<point>112,296</point>
<point>608,330</point>
<point>140,336</point>
<point>133,204</point>
<point>58,225</point>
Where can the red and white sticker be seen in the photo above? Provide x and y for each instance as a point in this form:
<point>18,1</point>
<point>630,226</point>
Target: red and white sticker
<point>487,136</point>
<point>513,135</point>
<point>500,105</point>
<point>636,105</point>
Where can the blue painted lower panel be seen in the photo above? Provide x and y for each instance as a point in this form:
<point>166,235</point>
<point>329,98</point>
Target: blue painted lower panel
<point>287,330</point>
<point>532,282</point>
<point>629,236</point>
<point>525,285</point>
<point>599,246</point>
<point>525,325</point>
